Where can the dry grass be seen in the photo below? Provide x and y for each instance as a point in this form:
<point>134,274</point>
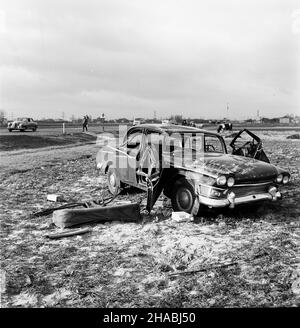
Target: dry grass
<point>133,264</point>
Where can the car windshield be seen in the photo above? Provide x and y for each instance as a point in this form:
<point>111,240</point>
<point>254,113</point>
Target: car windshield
<point>198,142</point>
<point>21,119</point>
<point>213,144</point>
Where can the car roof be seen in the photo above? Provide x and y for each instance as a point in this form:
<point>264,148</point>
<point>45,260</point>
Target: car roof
<point>170,128</point>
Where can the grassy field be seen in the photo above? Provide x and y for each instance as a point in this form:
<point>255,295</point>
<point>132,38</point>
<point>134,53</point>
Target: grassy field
<point>26,141</point>
<point>246,257</point>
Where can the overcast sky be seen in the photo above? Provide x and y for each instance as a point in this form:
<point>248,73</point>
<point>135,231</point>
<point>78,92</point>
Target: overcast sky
<point>129,58</point>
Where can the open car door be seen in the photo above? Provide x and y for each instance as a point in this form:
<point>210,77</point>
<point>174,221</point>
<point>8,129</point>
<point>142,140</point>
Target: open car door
<point>151,173</point>
<point>247,144</point>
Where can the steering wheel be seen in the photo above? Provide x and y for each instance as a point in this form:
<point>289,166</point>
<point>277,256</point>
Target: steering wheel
<point>246,144</point>
<point>244,150</point>
<point>207,147</point>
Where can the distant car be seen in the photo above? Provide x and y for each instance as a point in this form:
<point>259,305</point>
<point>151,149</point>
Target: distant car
<point>22,124</point>
<point>191,166</point>
<point>136,122</point>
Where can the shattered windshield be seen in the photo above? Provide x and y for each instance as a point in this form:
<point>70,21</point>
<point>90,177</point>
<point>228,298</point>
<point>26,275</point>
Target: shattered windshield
<point>243,139</point>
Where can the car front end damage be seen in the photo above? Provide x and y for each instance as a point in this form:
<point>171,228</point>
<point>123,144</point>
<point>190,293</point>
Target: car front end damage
<point>217,197</point>
<point>232,194</point>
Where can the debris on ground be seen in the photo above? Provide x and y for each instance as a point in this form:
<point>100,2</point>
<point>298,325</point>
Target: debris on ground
<point>70,217</point>
<point>71,232</point>
<point>55,198</point>
<point>294,136</point>
<point>182,217</point>
<point>87,204</point>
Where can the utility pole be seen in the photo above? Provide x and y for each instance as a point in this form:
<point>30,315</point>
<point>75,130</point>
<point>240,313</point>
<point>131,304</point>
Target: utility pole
<point>227,111</point>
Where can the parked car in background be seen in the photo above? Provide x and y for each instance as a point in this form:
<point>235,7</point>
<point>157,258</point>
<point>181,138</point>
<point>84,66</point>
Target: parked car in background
<point>22,124</point>
<point>192,167</point>
<point>136,122</point>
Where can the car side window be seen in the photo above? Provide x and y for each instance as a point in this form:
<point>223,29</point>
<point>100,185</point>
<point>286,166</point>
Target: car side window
<point>213,144</point>
<point>154,138</point>
<point>194,143</point>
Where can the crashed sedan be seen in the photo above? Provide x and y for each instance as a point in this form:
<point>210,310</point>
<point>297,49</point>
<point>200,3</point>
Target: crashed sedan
<point>191,166</point>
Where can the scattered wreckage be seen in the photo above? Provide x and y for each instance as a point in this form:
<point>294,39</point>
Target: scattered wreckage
<point>65,216</point>
<point>22,124</point>
<point>192,167</point>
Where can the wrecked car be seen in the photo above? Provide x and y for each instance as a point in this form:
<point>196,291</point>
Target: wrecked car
<point>22,124</point>
<point>191,166</point>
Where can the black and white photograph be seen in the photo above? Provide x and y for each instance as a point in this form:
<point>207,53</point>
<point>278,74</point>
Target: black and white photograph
<point>150,156</point>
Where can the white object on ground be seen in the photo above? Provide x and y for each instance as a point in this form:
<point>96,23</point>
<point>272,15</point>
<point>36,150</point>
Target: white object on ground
<point>55,198</point>
<point>182,216</point>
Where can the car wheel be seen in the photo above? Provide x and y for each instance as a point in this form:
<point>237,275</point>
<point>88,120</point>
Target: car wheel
<point>9,130</point>
<point>34,129</point>
<point>183,196</point>
<point>113,181</point>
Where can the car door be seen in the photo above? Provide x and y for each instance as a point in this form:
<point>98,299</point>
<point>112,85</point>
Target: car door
<point>30,123</point>
<point>246,143</point>
<point>150,167</point>
<point>129,156</point>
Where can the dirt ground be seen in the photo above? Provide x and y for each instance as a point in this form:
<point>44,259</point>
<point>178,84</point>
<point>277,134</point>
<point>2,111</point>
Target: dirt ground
<point>246,257</point>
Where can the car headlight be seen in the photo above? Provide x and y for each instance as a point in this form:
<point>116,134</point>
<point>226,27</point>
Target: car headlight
<point>230,182</point>
<point>285,179</point>
<point>221,180</point>
<point>279,178</point>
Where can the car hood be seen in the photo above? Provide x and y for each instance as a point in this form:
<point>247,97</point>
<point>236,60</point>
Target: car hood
<point>243,169</point>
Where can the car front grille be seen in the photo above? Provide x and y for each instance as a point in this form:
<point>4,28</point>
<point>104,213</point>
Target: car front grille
<point>250,189</point>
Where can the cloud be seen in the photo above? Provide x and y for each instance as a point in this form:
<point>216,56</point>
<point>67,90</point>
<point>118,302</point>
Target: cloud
<point>129,58</point>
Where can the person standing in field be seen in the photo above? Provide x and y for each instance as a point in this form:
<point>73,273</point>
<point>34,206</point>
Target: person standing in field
<point>85,123</point>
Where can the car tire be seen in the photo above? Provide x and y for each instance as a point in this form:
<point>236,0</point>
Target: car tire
<point>183,196</point>
<point>9,130</point>
<point>113,181</point>
<point>34,129</point>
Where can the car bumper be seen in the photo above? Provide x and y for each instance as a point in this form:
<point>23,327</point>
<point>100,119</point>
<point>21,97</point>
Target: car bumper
<point>231,202</point>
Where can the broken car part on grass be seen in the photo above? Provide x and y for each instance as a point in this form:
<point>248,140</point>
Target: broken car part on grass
<point>72,217</point>
<point>102,202</point>
<point>191,166</point>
